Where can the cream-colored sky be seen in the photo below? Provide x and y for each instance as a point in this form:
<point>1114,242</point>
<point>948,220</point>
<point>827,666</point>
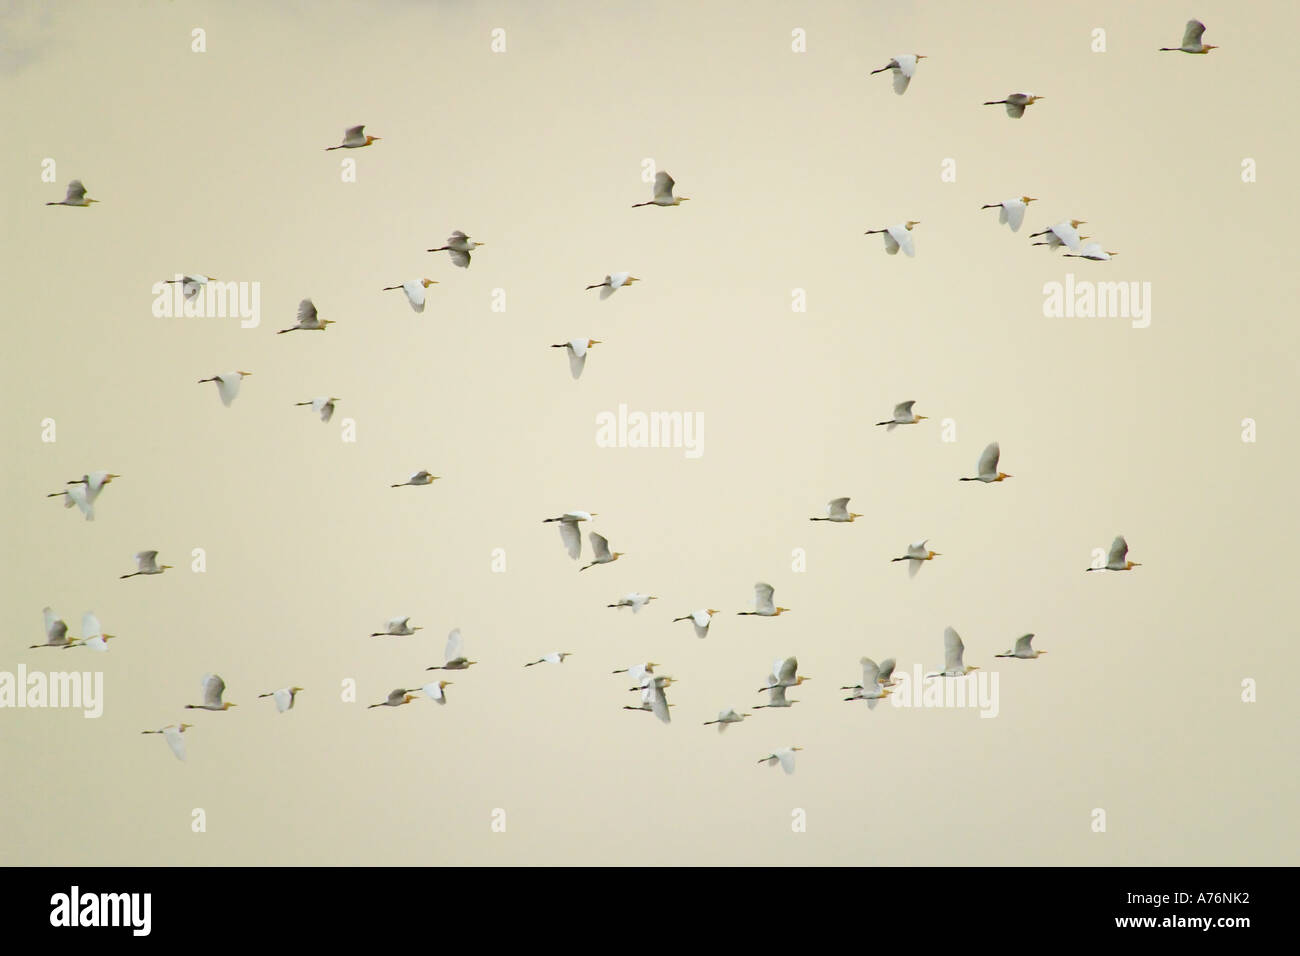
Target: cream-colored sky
<point>213,163</point>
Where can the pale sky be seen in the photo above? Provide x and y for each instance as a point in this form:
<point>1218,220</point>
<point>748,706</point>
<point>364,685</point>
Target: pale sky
<point>214,162</point>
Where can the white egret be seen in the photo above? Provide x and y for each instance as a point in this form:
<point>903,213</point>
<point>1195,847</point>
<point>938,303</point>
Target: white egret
<point>555,657</point>
<point>227,385</point>
<point>146,562</point>
<point>600,553</point>
<point>309,319</point>
<point>436,691</point>
<point>1191,40</point>
<point>837,509</point>
<point>903,415</point>
<point>322,405</point>
<point>701,619</point>
<point>56,631</point>
<point>725,717</point>
<point>172,734</point>
<point>570,534</point>
<point>192,284</point>
<point>94,482</point>
<point>635,600</point>
<point>213,687</point>
<point>917,553</point>
<point>1117,559</point>
<point>988,466</point>
<point>653,697</point>
<point>1011,212</point>
<point>398,627</point>
<point>764,606</point>
<point>76,196</point>
<point>459,246</point>
<point>1022,650</point>
<point>638,672</point>
<point>414,291</point>
<point>953,649</point>
<point>1093,251</point>
<point>421,477</point>
<point>897,237</point>
<point>784,756</point>
<point>354,137</point>
<point>1016,103</point>
<point>284,697</point>
<point>92,635</point>
<point>577,350</point>
<point>783,674</point>
<point>1064,233</point>
<point>396,698</point>
<point>887,671</point>
<point>613,282</point>
<point>903,68</point>
<point>454,654</point>
<point>663,193</point>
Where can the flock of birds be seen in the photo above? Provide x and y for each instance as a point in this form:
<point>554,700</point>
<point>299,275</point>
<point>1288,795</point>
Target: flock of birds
<point>877,678</point>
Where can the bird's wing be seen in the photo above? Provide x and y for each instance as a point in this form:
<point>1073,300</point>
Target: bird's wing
<point>989,460</point>
<point>174,740</point>
<point>55,629</point>
<point>904,409</point>
<point>89,626</point>
<point>76,191</point>
<point>776,696</point>
<point>886,669</point>
<point>577,360</point>
<point>306,312</point>
<point>396,695</point>
<point>571,537</point>
<point>902,77</point>
<point>455,646</point>
<point>659,704</point>
<point>891,241</point>
<point>459,258</point>
<point>228,387</point>
<point>599,545</point>
<point>787,760</point>
<point>283,699</point>
<point>1118,551</point>
<point>213,688</point>
<point>763,597</point>
<point>952,650</point>
<point>1015,110</point>
<point>664,185</point>
<point>355,132</point>
<point>870,673</point>
<point>1013,214</point>
<point>903,236</point>
<point>1192,35</point>
<point>839,507</point>
<point>786,669</point>
<point>1023,644</point>
<point>456,238</point>
<point>146,559</point>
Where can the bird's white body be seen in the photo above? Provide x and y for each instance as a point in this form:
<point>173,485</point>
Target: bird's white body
<point>700,619</point>
<point>764,601</point>
<point>635,600</point>
<point>56,630</point>
<point>397,627</point>
<point>903,68</point>
<point>1023,649</point>
<point>600,553</point>
<point>953,651</point>
<point>784,757</point>
<point>577,349</point>
<point>227,385</point>
<point>1093,251</point>
<point>172,734</point>
<point>213,688</point>
<point>322,405</point>
<point>1016,103</point>
<point>1117,557</point>
<point>988,466</point>
<point>1192,42</point>
<point>92,635</point>
<point>1011,212</point>
<point>916,556</point>
<point>899,236</point>
<point>1063,234</point>
<point>421,477</point>
<point>284,698</point>
<point>554,657</point>
<point>837,509</point>
<point>872,687</point>
<point>192,284</point>
<point>460,247</point>
<point>436,691</point>
<point>146,562</point>
<point>76,196</point>
<point>663,193</point>
<point>725,717</point>
<point>309,319</point>
<point>354,137</point>
<point>903,415</point>
<point>570,533</point>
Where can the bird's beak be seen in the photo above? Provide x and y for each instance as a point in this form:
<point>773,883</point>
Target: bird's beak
<point>919,417</point>
<point>92,200</point>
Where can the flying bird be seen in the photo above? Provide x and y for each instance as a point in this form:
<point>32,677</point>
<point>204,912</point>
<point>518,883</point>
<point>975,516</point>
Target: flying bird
<point>577,350</point>
<point>192,285</point>
<point>570,534</point>
<point>398,627</point>
<point>701,620</point>
<point>453,655</point>
<point>725,717</point>
<point>354,137</point>
<point>837,509</point>
<point>1117,559</point>
<point>213,687</point>
<point>75,495</point>
<point>917,552</point>
<point>284,697</point>
<point>1022,650</point>
<point>872,687</point>
<point>227,385</point>
<point>396,698</point>
<point>555,657</point>
<point>322,406</point>
<point>172,734</point>
<point>897,237</point>
<point>663,193</point>
<point>764,606</point>
<point>1093,251</point>
<point>146,562</point>
<point>613,282</point>
<point>785,757</point>
<point>1011,212</point>
<point>953,649</point>
<point>903,68</point>
<point>309,319</point>
<point>1064,233</point>
<point>436,691</point>
<point>421,477</point>
<point>414,291</point>
<point>459,246</point>
<point>92,635</point>
<point>56,631</point>
<point>1191,40</point>
<point>76,196</point>
<point>600,553</point>
<point>635,600</point>
<point>903,415</point>
<point>988,466</point>
<point>1016,103</point>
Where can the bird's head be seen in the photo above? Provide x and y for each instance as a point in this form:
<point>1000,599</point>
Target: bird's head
<point>617,555</point>
<point>407,698</point>
<point>711,611</point>
<point>108,637</point>
<point>1002,475</point>
<point>227,705</point>
<point>326,321</point>
<point>796,748</point>
<point>590,343</point>
<point>428,282</point>
<point>295,690</point>
<point>800,680</point>
<point>244,375</point>
<point>108,478</point>
<point>1132,564</point>
<point>184,727</point>
<point>1034,99</point>
<point>653,597</point>
<point>781,610</point>
<point>910,223</point>
<point>1205,48</point>
<point>1109,253</point>
<point>931,554</point>
<point>921,417</point>
<point>1076,223</point>
<point>1081,238</point>
<point>631,279</point>
<point>166,567</point>
<point>854,514</point>
<point>1027,199</point>
<point>444,683</point>
<point>372,139</point>
<point>919,56</point>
